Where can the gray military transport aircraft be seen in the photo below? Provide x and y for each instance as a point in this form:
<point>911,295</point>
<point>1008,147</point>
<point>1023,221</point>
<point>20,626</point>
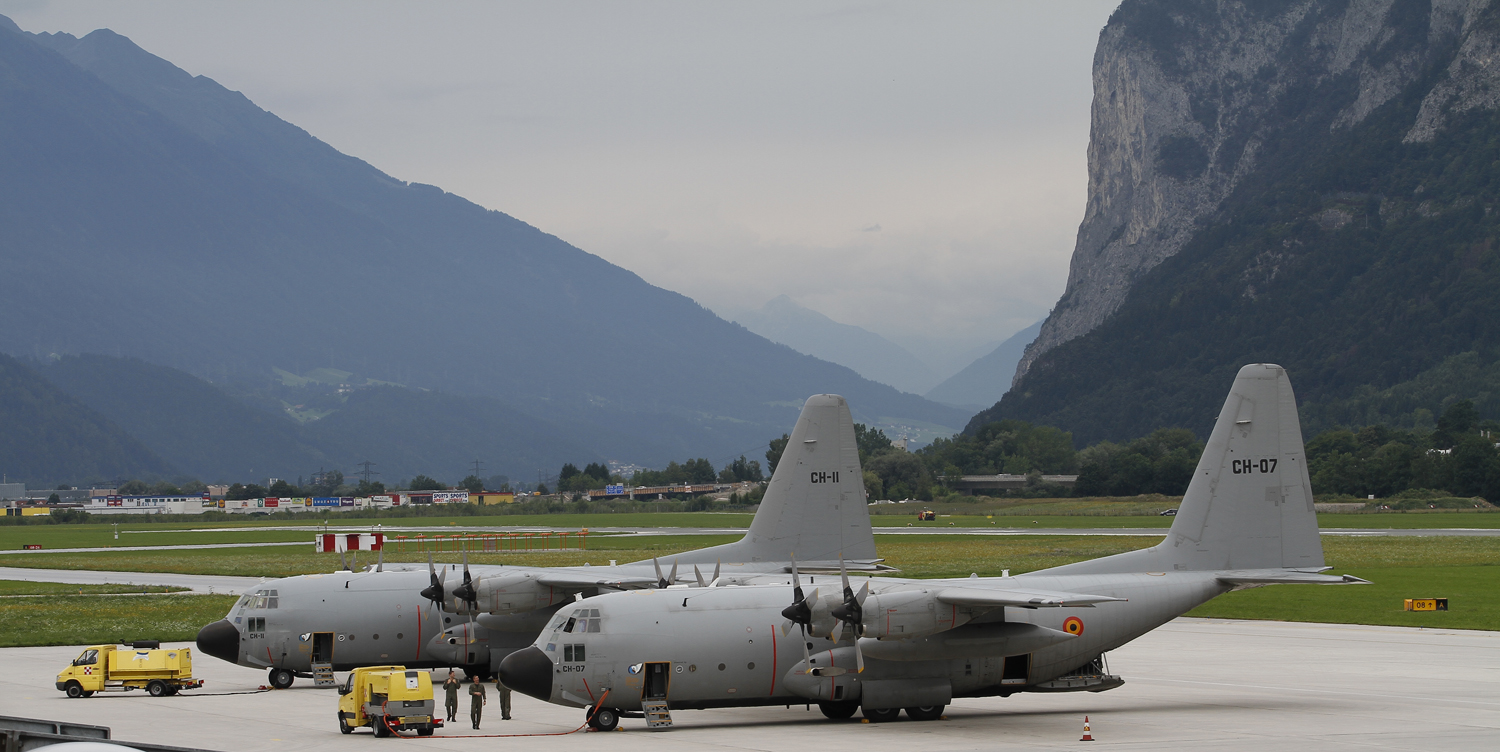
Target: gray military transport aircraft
<point>1247,520</point>
<point>320,623</point>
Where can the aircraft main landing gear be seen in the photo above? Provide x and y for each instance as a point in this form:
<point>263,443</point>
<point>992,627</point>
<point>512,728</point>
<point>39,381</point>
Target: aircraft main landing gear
<point>838,711</point>
<point>926,713</point>
<point>882,715</point>
<point>281,678</point>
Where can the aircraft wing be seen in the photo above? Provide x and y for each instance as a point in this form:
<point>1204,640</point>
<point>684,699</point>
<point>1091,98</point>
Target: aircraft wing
<point>1020,597</point>
<point>1285,577</point>
<point>571,580</point>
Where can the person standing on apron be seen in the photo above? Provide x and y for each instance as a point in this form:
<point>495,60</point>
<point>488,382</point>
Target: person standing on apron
<point>450,692</point>
<point>504,700</point>
<point>476,701</point>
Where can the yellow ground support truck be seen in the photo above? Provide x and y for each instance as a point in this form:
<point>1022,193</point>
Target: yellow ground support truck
<point>388,698</point>
<point>137,665</point>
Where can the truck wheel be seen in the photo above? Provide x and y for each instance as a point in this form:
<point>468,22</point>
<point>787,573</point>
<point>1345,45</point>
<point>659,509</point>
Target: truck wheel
<point>344,727</point>
<point>604,719</point>
<point>425,730</point>
<point>156,688</point>
<point>74,689</point>
<point>381,730</point>
<point>281,678</point>
<point>926,713</point>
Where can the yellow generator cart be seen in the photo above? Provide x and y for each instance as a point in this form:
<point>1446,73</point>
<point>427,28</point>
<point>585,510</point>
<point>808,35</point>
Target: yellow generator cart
<point>138,665</point>
<point>387,698</point>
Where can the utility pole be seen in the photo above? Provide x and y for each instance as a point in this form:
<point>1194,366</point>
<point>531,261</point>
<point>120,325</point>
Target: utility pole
<point>477,468</point>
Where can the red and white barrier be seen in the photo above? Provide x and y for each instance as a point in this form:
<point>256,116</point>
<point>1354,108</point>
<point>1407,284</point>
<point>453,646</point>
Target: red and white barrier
<point>329,543</point>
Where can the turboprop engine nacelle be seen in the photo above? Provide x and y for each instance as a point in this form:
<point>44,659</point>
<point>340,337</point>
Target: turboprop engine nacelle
<point>901,614</point>
<point>515,594</point>
<point>462,645</point>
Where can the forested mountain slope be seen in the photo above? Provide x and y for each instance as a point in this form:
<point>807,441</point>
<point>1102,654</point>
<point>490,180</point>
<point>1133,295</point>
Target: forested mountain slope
<point>1356,245</point>
<point>47,436</point>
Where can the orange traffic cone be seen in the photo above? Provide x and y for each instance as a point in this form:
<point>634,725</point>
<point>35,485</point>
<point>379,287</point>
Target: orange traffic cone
<point>1087,737</point>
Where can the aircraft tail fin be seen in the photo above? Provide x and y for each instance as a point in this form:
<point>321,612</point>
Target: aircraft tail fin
<point>1250,504</point>
<point>815,504</point>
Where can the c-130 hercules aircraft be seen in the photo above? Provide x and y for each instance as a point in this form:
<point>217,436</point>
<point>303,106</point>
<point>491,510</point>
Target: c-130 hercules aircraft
<point>415,617</point>
<point>1247,520</point>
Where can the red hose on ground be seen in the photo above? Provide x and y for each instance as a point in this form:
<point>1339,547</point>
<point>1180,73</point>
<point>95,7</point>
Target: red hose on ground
<point>399,735</point>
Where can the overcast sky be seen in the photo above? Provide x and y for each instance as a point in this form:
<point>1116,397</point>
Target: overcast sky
<point>915,168</point>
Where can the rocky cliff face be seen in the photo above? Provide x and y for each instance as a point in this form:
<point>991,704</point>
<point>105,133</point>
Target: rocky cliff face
<point>1186,92</point>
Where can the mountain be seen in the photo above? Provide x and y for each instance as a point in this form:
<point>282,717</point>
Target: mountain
<point>986,380</point>
<point>190,422</point>
<point>811,333</point>
<point>1308,183</point>
<point>154,214</point>
<point>51,437</point>
<point>210,433</point>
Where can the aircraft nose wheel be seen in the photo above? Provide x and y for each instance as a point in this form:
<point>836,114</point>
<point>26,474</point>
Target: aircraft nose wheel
<point>281,678</point>
<point>881,716</point>
<point>604,719</point>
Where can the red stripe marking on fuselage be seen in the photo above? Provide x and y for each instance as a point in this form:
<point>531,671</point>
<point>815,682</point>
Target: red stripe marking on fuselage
<point>773,661</point>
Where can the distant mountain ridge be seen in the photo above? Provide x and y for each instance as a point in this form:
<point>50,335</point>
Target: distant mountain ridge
<point>191,229</point>
<point>809,332</point>
<point>987,379</point>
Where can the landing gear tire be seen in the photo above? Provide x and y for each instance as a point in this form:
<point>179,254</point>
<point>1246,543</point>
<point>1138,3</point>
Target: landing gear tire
<point>926,713</point>
<point>281,678</point>
<point>344,727</point>
<point>881,716</point>
<point>156,688</point>
<point>74,689</point>
<point>838,711</point>
<point>604,719</point>
<point>381,730</point>
<point>425,730</point>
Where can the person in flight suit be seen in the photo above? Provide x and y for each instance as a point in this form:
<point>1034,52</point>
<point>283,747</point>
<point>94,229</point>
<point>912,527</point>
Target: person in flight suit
<point>504,700</point>
<point>476,701</point>
<point>450,690</point>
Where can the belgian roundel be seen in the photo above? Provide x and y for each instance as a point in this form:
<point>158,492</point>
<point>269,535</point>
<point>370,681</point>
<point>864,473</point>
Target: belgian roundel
<point>1073,625</point>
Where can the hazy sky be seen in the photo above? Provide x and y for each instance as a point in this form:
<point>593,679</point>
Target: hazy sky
<point>915,168</point>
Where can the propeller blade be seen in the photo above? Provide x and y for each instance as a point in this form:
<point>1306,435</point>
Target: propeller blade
<point>465,590</point>
<point>838,631</point>
<point>380,559</point>
<point>717,562</point>
<point>673,576</point>
<point>806,656</point>
<point>786,627</point>
<point>660,581</point>
<point>859,656</point>
<point>354,561</point>
<point>699,575</point>
<point>343,563</point>
<point>434,591</point>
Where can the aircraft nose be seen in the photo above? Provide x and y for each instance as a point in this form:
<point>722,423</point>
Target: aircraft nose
<point>529,672</point>
<point>220,640</point>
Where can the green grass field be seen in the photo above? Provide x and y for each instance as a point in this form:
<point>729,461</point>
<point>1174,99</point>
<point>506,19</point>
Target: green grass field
<point>107,618</point>
<point>20,587</point>
<point>1011,514</point>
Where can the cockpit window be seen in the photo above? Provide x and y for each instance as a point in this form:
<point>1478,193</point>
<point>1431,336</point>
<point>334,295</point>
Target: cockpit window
<point>569,626</point>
